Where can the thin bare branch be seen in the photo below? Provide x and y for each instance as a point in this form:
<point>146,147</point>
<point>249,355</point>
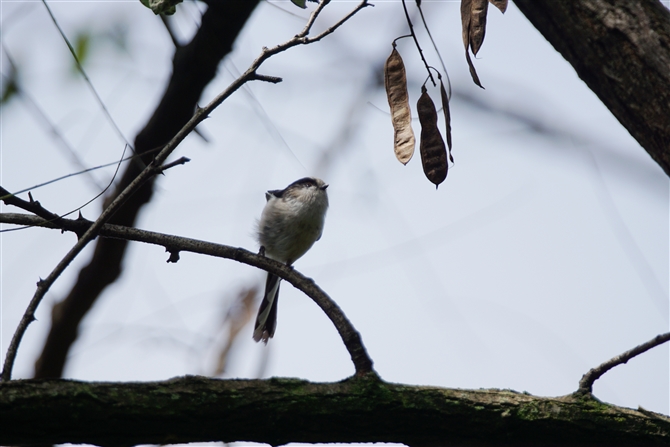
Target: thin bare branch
<point>31,206</point>
<point>416,41</point>
<point>117,129</point>
<point>361,5</point>
<point>312,18</point>
<point>586,384</point>
<point>179,161</point>
<point>175,244</point>
<point>444,67</point>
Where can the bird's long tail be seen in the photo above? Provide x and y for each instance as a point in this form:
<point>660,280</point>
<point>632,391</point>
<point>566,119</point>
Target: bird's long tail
<point>266,321</point>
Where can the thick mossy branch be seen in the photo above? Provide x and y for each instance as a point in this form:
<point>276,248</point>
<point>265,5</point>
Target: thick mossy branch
<point>278,411</point>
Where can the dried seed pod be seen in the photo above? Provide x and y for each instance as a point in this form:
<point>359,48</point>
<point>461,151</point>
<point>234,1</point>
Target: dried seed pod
<point>466,13</point>
<point>395,81</point>
<point>447,116</point>
<point>433,151</point>
<point>478,24</point>
<point>500,4</point>
<point>474,28</point>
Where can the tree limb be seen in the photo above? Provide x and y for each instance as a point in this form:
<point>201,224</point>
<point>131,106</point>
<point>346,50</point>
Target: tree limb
<point>278,411</point>
<point>586,384</point>
<point>174,244</point>
<point>621,50</point>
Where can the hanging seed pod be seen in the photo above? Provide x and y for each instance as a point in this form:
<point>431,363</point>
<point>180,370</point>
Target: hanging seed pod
<point>478,24</point>
<point>500,4</point>
<point>395,81</point>
<point>471,33</point>
<point>433,151</point>
<point>447,116</point>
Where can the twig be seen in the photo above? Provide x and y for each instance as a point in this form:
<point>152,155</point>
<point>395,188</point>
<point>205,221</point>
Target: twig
<point>39,209</point>
<point>361,5</point>
<point>179,161</point>
<point>62,177</point>
<point>586,384</point>
<point>312,18</point>
<point>200,114</point>
<point>32,207</point>
<point>81,70</point>
<point>416,41</point>
<point>425,25</point>
<point>175,244</point>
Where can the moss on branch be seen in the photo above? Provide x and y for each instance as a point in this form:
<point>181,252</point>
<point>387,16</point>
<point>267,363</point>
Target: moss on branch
<point>278,411</point>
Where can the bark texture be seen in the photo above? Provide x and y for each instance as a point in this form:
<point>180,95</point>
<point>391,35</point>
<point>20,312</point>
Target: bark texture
<point>621,49</point>
<point>194,66</point>
<point>278,411</point>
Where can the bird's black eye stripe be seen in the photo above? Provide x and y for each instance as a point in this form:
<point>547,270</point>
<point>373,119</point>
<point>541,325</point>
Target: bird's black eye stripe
<point>307,181</point>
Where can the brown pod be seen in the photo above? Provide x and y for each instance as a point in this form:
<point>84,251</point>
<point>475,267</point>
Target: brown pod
<point>478,24</point>
<point>433,150</point>
<point>466,13</point>
<point>395,81</point>
<point>500,4</point>
<point>447,116</point>
<point>466,22</point>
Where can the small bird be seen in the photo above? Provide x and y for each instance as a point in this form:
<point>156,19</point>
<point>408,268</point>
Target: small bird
<point>291,222</point>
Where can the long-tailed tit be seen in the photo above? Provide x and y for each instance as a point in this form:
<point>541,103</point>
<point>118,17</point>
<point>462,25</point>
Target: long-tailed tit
<point>291,222</point>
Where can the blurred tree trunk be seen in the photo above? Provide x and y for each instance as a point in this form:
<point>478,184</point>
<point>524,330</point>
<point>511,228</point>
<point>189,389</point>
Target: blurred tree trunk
<point>194,66</point>
<point>621,50</point>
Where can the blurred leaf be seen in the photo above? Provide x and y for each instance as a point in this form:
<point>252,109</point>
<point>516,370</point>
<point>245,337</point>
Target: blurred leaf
<point>167,7</point>
<point>10,85</point>
<point>433,150</point>
<point>395,81</point>
<point>82,45</point>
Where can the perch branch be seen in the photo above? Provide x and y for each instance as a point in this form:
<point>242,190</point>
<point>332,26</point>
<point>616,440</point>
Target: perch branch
<point>175,244</point>
<point>148,172</point>
<point>586,384</point>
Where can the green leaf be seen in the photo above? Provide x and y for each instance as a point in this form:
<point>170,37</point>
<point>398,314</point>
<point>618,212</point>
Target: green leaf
<point>299,3</point>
